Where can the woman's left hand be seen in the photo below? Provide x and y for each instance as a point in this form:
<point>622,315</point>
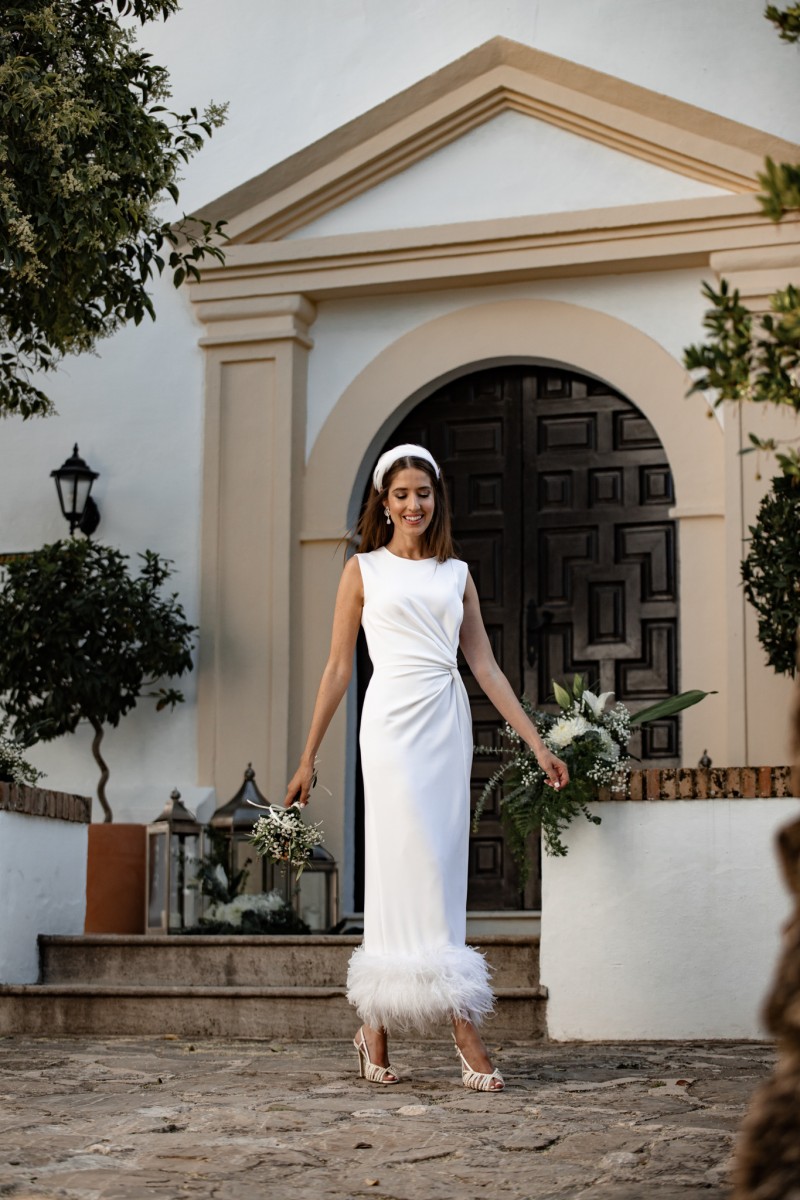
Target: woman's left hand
<point>556,771</point>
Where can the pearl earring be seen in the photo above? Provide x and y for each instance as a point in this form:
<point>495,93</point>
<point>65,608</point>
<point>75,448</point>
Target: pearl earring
<point>388,517</point>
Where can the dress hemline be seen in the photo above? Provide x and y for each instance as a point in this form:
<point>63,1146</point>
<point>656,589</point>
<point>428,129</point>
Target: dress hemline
<point>420,991</point>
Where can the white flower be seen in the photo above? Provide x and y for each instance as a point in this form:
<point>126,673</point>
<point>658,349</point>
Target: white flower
<point>565,730</point>
<point>13,763</point>
<point>609,748</point>
<point>596,704</point>
<point>231,913</point>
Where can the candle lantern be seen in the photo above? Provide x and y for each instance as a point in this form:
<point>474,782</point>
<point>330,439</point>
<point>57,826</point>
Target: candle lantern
<point>173,852</point>
<point>234,821</point>
<point>316,893</point>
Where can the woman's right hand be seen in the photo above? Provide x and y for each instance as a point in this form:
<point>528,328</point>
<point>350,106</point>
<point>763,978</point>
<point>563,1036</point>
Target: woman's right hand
<point>300,785</point>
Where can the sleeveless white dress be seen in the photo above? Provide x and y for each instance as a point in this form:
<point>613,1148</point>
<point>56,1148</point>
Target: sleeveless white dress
<point>413,969</point>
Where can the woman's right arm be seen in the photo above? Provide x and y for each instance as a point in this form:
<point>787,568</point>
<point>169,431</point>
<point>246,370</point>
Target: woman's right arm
<point>335,677</point>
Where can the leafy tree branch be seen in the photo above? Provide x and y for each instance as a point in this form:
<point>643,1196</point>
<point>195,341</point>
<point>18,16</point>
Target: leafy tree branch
<point>88,153</point>
<point>785,20</point>
<point>749,357</point>
<point>755,358</point>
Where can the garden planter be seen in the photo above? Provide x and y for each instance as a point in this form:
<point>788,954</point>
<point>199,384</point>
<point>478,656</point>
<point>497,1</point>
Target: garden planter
<point>115,879</point>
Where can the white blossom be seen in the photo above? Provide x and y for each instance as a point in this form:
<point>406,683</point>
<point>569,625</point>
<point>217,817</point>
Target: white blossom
<point>596,704</point>
<point>565,730</point>
<point>231,913</point>
<point>14,764</point>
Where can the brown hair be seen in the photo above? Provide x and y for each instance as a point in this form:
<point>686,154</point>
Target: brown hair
<point>373,532</point>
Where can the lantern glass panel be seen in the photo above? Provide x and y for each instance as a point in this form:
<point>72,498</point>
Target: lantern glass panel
<point>80,494</point>
<point>245,858</point>
<point>157,881</point>
<point>184,900</point>
<point>312,900</point>
<point>277,878</point>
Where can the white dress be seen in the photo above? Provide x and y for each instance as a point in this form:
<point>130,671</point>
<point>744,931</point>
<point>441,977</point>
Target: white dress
<point>413,969</point>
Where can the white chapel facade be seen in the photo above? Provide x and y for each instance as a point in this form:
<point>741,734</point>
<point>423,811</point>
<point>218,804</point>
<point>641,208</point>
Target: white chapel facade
<point>512,224</point>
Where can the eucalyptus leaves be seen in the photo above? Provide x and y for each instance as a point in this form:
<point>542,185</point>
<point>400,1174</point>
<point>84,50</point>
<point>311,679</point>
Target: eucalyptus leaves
<point>592,739</point>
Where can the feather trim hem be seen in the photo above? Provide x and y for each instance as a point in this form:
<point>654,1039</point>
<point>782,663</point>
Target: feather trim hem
<point>419,991</point>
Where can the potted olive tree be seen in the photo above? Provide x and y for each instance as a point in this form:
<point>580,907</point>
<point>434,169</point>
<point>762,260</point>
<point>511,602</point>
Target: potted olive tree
<point>84,638</point>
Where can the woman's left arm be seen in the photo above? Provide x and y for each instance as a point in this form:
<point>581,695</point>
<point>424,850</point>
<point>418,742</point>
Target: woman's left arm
<point>477,650</point>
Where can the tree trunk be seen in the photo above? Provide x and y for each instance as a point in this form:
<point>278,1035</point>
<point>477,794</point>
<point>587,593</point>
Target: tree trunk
<point>104,771</point>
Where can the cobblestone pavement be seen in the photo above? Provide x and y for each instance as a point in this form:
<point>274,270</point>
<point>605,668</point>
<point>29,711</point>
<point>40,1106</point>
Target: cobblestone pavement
<point>145,1117</point>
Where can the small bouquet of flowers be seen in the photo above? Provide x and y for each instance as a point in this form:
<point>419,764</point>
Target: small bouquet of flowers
<point>591,737</point>
<point>282,836</point>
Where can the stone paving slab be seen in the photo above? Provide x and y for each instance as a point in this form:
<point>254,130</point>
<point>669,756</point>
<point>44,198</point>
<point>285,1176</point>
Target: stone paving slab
<point>234,1120</point>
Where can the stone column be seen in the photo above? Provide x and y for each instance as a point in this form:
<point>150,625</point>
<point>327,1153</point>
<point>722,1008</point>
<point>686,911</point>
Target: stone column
<point>256,350</point>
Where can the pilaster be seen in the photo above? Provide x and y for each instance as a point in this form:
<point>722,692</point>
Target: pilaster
<point>256,351</point>
<point>758,698</point>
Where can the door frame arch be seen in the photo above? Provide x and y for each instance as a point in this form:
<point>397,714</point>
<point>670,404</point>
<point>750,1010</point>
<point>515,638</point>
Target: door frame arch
<point>568,335</point>
<point>542,331</point>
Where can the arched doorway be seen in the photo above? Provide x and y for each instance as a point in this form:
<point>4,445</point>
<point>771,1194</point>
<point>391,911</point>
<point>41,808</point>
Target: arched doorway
<point>561,492</point>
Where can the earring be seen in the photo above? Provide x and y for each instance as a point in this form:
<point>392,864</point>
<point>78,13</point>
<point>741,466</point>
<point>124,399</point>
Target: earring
<point>388,517</point>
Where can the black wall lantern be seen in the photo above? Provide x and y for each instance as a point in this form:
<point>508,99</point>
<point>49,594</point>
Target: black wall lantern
<point>74,483</point>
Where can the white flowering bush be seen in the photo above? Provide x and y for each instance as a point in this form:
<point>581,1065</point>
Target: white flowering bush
<point>243,907</point>
<point>229,909</point>
<point>14,766</point>
<point>591,736</point>
<point>282,836</point>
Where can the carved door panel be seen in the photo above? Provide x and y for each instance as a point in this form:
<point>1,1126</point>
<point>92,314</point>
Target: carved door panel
<point>601,587</point>
<point>560,492</point>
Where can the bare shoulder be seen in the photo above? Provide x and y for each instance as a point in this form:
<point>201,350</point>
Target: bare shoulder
<point>470,591</point>
<point>351,584</point>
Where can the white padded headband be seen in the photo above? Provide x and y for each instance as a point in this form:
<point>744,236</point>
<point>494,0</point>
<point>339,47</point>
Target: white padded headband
<point>391,456</point>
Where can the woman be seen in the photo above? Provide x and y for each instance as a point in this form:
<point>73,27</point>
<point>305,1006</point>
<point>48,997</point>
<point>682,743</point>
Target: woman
<point>417,603</point>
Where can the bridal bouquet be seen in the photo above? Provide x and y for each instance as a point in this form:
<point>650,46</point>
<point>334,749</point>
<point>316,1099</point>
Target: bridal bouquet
<point>591,737</point>
<point>282,836</point>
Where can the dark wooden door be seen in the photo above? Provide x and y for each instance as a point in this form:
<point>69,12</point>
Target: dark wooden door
<point>560,491</point>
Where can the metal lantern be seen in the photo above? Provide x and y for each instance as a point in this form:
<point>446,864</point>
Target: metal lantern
<point>74,481</point>
<point>173,852</point>
<point>235,821</point>
<point>316,894</point>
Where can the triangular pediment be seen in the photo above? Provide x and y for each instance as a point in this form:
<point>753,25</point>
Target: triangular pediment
<point>356,176</point>
<point>511,166</point>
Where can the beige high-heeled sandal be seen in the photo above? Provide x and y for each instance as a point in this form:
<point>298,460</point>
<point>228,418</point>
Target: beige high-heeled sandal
<point>478,1081</point>
<point>369,1070</point>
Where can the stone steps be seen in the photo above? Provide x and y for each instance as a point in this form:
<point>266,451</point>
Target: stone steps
<point>311,961</point>
<point>252,987</point>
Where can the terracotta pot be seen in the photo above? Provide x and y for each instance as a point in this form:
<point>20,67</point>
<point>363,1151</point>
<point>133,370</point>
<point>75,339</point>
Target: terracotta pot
<point>115,879</point>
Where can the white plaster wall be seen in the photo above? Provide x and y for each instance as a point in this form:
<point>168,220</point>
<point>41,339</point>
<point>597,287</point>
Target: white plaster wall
<point>43,886</point>
<point>136,411</point>
<point>511,166</point>
<point>294,72</point>
<point>664,921</point>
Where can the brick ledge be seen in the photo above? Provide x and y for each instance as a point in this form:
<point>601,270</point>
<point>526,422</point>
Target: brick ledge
<point>42,802</point>
<point>705,783</point>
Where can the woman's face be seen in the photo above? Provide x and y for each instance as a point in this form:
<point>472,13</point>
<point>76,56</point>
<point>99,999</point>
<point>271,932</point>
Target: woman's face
<point>411,501</point>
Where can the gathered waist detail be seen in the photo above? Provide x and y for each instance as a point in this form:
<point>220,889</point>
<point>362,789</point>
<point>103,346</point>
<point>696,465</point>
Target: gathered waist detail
<point>405,666</point>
